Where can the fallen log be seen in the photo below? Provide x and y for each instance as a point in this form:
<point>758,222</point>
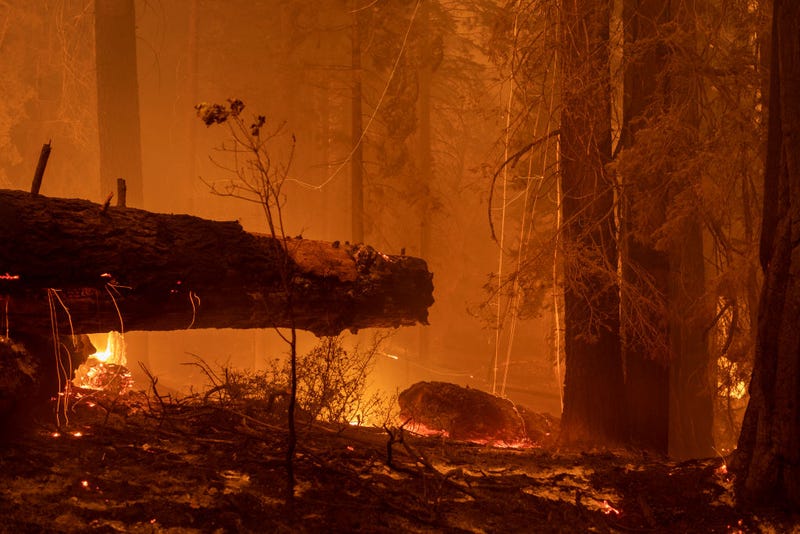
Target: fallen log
<point>89,268</point>
<point>468,414</point>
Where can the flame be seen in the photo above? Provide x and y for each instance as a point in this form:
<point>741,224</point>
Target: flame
<point>105,369</point>
<point>114,351</point>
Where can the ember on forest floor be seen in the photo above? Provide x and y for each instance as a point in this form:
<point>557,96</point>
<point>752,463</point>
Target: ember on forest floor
<point>139,465</point>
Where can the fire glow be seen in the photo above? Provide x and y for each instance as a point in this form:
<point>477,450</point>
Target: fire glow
<point>105,369</point>
<point>608,509</point>
<point>423,430</point>
<point>114,351</point>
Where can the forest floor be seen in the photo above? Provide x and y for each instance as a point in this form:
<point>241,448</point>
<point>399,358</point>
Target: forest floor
<point>210,467</point>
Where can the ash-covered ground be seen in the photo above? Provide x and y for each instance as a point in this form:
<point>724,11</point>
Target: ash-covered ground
<point>138,464</point>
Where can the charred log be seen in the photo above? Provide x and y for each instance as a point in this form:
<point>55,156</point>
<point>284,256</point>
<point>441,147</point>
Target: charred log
<point>467,414</point>
<point>89,269</point>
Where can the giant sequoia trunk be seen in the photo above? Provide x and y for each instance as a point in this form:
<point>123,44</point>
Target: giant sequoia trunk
<point>593,383</point>
<point>768,455</point>
<point>96,269</point>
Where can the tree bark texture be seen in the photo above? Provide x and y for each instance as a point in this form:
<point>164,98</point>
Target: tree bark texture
<point>593,382</point>
<point>100,269</point>
<point>768,456</point>
<point>645,270</point>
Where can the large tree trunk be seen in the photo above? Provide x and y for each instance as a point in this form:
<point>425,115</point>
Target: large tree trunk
<point>768,456</point>
<point>670,395</point>
<point>692,385</point>
<point>645,269</point>
<point>593,383</point>
<point>118,98</point>
<point>117,268</point>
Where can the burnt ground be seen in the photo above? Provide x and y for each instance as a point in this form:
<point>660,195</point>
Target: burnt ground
<point>186,467</point>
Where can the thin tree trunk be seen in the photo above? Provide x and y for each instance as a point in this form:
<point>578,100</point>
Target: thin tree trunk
<point>593,384</point>
<point>118,98</point>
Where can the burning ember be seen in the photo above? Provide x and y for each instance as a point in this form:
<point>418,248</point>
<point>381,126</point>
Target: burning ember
<point>608,509</point>
<point>105,370</point>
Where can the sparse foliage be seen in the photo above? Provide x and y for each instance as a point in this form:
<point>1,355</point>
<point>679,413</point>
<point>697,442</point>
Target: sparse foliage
<point>332,384</point>
<point>259,179</point>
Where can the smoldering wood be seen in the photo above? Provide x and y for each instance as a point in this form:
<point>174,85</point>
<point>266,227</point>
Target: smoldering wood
<point>102,269</point>
<point>122,192</point>
<point>468,414</point>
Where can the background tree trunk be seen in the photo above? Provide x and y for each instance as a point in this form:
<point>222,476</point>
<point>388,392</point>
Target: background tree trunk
<point>767,460</point>
<point>425,158</point>
<point>645,270</point>
<point>118,98</point>
<point>356,134</point>
<point>692,386</point>
<point>593,382</point>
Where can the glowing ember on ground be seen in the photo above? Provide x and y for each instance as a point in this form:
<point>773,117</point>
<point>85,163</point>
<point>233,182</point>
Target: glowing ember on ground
<point>423,430</point>
<point>608,509</point>
<point>85,483</point>
<point>77,434</point>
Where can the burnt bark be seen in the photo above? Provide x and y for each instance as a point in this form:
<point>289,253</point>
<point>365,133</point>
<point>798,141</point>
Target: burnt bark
<point>593,382</point>
<point>99,269</point>
<point>767,460</point>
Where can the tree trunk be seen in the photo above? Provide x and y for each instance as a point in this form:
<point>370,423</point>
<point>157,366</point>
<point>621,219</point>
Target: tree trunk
<point>692,388</point>
<point>593,383</point>
<point>645,270</point>
<point>118,98</point>
<point>122,268</point>
<point>425,158</point>
<point>767,460</point>
<point>356,134</point>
